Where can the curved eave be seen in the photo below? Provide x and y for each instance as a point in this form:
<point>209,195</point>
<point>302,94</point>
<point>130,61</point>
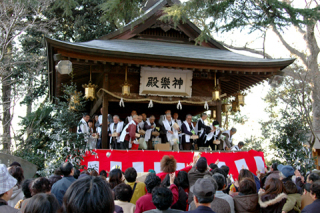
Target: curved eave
<point>278,63</point>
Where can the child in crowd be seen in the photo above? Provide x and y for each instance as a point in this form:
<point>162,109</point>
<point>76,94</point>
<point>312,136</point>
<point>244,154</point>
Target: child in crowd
<point>293,203</point>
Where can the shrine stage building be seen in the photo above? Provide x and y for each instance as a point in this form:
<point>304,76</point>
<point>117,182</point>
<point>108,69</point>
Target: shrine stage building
<point>162,63</point>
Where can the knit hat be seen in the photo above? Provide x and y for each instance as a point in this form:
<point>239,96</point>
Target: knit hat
<point>202,164</point>
<point>7,182</point>
<point>287,171</point>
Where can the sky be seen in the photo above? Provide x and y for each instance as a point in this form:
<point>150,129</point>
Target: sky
<point>254,107</point>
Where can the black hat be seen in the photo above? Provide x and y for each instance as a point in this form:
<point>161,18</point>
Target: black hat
<point>203,188</point>
<point>202,164</point>
<point>214,123</point>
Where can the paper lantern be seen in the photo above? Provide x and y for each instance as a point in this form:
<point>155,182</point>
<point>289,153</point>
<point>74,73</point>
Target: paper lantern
<point>64,67</point>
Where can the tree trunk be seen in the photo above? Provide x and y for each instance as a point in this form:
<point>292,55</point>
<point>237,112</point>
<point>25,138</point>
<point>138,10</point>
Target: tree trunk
<point>313,69</point>
<point>6,120</point>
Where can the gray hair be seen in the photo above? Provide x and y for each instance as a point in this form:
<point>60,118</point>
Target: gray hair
<point>168,114</point>
<point>203,114</point>
<point>152,117</point>
<point>188,115</point>
<point>233,129</point>
<point>116,116</point>
<point>134,116</point>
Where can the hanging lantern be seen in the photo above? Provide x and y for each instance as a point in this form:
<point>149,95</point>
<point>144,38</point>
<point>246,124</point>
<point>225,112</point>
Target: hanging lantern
<point>240,99</point>
<point>235,106</point>
<point>216,90</point>
<point>64,67</point>
<point>74,100</point>
<point>214,114</point>
<point>224,107</point>
<point>90,89</point>
<point>126,86</point>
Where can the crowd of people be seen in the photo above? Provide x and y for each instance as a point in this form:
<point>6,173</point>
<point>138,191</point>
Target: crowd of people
<point>200,187</point>
<point>145,131</point>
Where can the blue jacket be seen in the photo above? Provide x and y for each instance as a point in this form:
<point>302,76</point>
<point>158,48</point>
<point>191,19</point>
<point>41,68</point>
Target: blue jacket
<point>202,209</point>
<point>61,186</point>
<point>313,207</point>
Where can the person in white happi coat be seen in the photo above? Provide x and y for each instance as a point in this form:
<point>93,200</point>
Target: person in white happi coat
<point>176,119</point>
<point>167,128</point>
<point>128,134</point>
<point>228,140</point>
<point>149,127</point>
<point>213,138</point>
<point>93,136</point>
<point>237,147</point>
<point>114,132</point>
<point>83,127</point>
<point>201,130</point>
<point>130,118</point>
<point>187,130</point>
<point>163,117</point>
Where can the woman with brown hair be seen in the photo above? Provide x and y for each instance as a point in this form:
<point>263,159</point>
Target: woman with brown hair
<point>274,197</point>
<point>247,200</point>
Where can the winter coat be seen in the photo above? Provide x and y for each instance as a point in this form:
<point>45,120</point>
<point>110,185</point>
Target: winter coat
<point>16,196</point>
<point>271,203</point>
<point>246,203</point>
<point>218,205</point>
<point>272,174</point>
<point>306,200</point>
<point>193,176</point>
<point>4,208</point>
<point>293,203</point>
<point>181,204</point>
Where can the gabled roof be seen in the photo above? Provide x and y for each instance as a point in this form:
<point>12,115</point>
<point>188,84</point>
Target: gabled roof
<point>150,17</point>
<point>154,50</point>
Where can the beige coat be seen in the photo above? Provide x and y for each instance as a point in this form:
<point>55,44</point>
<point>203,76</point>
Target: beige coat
<point>126,206</point>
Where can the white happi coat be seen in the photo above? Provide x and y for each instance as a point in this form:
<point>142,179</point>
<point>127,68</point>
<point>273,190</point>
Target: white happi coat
<point>187,137</point>
<point>147,136</point>
<point>201,131</point>
<point>169,128</point>
<point>118,130</point>
<point>83,127</point>
<point>213,135</point>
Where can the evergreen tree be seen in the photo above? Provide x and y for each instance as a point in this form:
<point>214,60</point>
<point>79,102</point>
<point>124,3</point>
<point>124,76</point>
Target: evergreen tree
<point>51,137</point>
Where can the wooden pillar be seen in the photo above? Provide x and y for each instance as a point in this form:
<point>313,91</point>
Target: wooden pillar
<point>219,116</point>
<point>105,105</point>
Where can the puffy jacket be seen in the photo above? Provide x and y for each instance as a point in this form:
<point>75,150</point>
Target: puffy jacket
<point>246,203</point>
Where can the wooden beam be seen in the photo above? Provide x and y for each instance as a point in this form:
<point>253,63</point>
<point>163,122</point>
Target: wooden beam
<point>105,105</point>
<point>218,112</point>
<point>96,106</point>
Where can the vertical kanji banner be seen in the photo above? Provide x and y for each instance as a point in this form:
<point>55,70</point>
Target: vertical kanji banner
<point>142,161</point>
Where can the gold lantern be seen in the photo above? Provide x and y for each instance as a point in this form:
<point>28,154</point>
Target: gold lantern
<point>216,90</point>
<point>90,89</point>
<point>235,106</point>
<point>224,107</point>
<point>74,100</point>
<point>126,86</point>
<point>214,114</point>
<point>240,99</point>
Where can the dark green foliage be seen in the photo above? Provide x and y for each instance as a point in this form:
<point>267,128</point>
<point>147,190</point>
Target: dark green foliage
<point>51,136</point>
<point>225,15</point>
<point>288,128</point>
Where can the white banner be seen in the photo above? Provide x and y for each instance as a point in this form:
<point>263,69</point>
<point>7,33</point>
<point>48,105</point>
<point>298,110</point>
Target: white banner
<point>166,82</point>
